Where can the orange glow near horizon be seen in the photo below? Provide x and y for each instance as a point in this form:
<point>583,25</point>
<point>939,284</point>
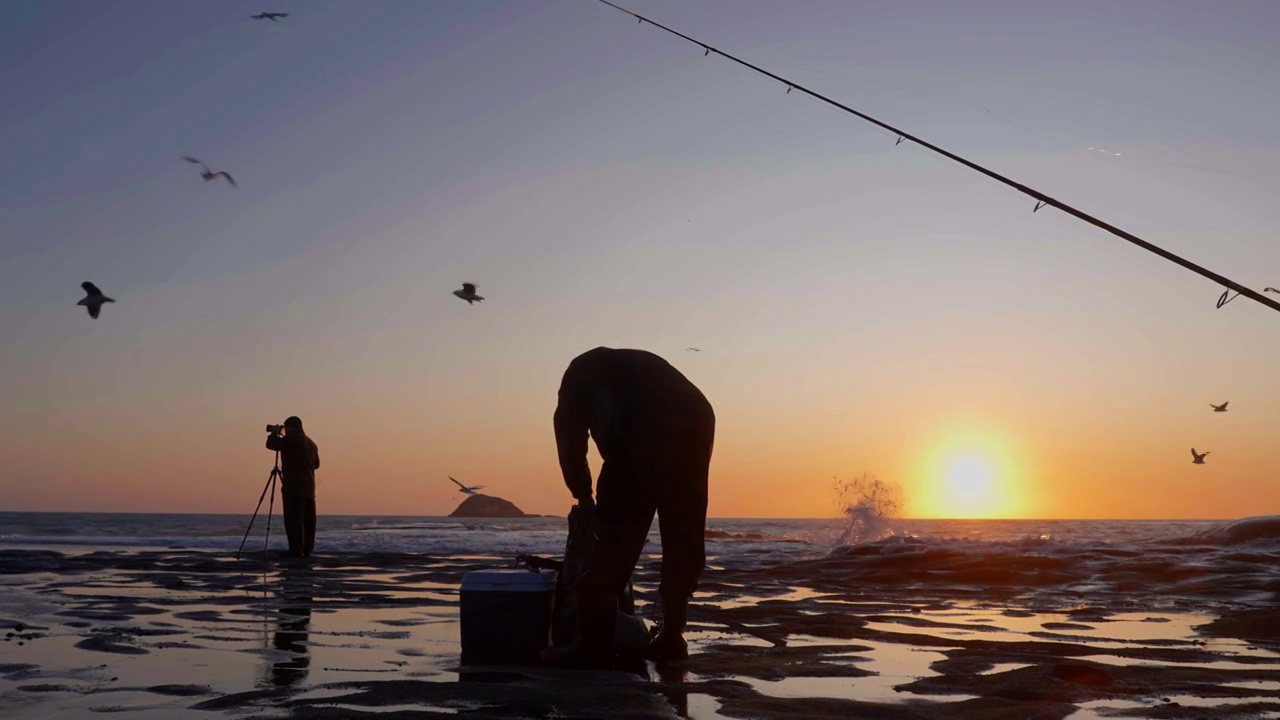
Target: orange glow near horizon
<point>972,475</point>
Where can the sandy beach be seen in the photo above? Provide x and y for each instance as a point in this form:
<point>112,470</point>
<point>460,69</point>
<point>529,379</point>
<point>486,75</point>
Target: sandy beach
<point>153,633</point>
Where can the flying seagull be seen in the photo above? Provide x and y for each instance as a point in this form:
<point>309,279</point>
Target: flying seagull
<point>692,349</point>
<point>468,293</point>
<point>1198,458</point>
<point>269,16</point>
<point>208,174</point>
<point>1271,289</point>
<point>466,490</point>
<point>1219,408</point>
<point>93,299</point>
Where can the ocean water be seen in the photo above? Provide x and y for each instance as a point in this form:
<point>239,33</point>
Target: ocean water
<point>763,539</point>
<point>1236,561</point>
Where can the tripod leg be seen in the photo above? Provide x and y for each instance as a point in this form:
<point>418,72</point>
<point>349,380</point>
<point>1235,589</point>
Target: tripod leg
<point>255,514</point>
<point>270,509</point>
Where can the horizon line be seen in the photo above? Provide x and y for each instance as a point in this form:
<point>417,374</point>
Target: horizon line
<point>709,518</point>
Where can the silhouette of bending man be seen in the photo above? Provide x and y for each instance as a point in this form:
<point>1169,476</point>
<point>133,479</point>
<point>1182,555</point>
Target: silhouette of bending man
<point>299,460</point>
<point>654,430</point>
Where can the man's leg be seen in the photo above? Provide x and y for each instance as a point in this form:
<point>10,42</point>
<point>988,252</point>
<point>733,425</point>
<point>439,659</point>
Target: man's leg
<point>292,513</point>
<point>682,520</point>
<point>624,512</point>
<point>309,518</point>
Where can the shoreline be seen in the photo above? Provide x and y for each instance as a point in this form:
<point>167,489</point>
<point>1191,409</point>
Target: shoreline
<point>190,633</point>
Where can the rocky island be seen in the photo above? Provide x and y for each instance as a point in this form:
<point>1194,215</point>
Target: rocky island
<point>487,506</point>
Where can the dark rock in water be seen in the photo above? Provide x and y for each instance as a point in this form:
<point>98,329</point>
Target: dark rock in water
<point>45,688</point>
<point>104,643</point>
<point>17,671</point>
<point>1081,674</point>
<point>1254,624</point>
<point>487,506</point>
<point>181,690</point>
<point>1238,532</point>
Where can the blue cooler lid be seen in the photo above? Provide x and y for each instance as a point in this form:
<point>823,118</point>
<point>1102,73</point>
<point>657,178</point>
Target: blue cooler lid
<point>509,580</point>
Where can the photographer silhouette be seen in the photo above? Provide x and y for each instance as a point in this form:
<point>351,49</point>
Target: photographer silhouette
<point>299,459</point>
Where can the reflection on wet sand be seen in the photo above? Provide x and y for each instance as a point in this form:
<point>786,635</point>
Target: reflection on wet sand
<point>292,625</point>
<point>673,679</point>
<point>172,635</point>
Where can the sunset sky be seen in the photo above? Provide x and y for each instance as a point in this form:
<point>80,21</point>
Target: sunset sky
<point>861,307</point>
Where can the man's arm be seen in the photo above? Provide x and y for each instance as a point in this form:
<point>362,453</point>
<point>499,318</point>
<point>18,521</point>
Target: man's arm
<point>571,428</point>
<point>315,454</point>
<point>275,442</point>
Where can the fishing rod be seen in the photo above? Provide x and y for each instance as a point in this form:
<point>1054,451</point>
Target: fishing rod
<point>1042,200</point>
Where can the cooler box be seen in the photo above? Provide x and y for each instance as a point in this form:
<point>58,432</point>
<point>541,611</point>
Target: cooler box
<point>506,615</point>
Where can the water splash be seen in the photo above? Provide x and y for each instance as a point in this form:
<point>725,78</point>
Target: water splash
<point>870,504</point>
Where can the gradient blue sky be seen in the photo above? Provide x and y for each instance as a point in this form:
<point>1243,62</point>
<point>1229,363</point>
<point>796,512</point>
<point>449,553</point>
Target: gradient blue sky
<point>861,306</point>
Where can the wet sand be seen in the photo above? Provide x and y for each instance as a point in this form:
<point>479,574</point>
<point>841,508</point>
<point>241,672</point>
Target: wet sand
<point>191,634</point>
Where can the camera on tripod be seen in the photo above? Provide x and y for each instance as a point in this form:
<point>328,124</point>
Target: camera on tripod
<point>268,489</point>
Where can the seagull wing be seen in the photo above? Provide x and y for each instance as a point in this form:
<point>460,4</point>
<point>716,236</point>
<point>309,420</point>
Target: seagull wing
<point>90,288</point>
<point>94,310</point>
<point>1194,453</point>
<point>282,14</point>
<point>1270,289</point>
<point>1225,404</point>
<point>469,288</point>
<point>194,161</point>
<point>229,178</point>
<point>455,482</point>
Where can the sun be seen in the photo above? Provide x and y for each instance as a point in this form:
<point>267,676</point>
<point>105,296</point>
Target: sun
<point>968,477</point>
<point>969,487</point>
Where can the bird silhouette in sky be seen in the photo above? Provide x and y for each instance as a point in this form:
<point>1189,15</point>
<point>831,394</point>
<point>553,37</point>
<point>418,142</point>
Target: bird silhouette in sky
<point>208,174</point>
<point>465,489</point>
<point>269,16</point>
<point>1219,408</point>
<point>1198,458</point>
<point>93,299</point>
<point>468,293</point>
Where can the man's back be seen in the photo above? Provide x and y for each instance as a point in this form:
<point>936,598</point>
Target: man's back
<point>640,383</point>
<point>299,460</point>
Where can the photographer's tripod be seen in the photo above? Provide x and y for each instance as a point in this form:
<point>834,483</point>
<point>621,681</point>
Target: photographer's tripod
<point>270,487</point>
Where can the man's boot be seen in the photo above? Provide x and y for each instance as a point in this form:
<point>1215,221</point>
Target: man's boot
<point>669,644</point>
<point>593,647</point>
